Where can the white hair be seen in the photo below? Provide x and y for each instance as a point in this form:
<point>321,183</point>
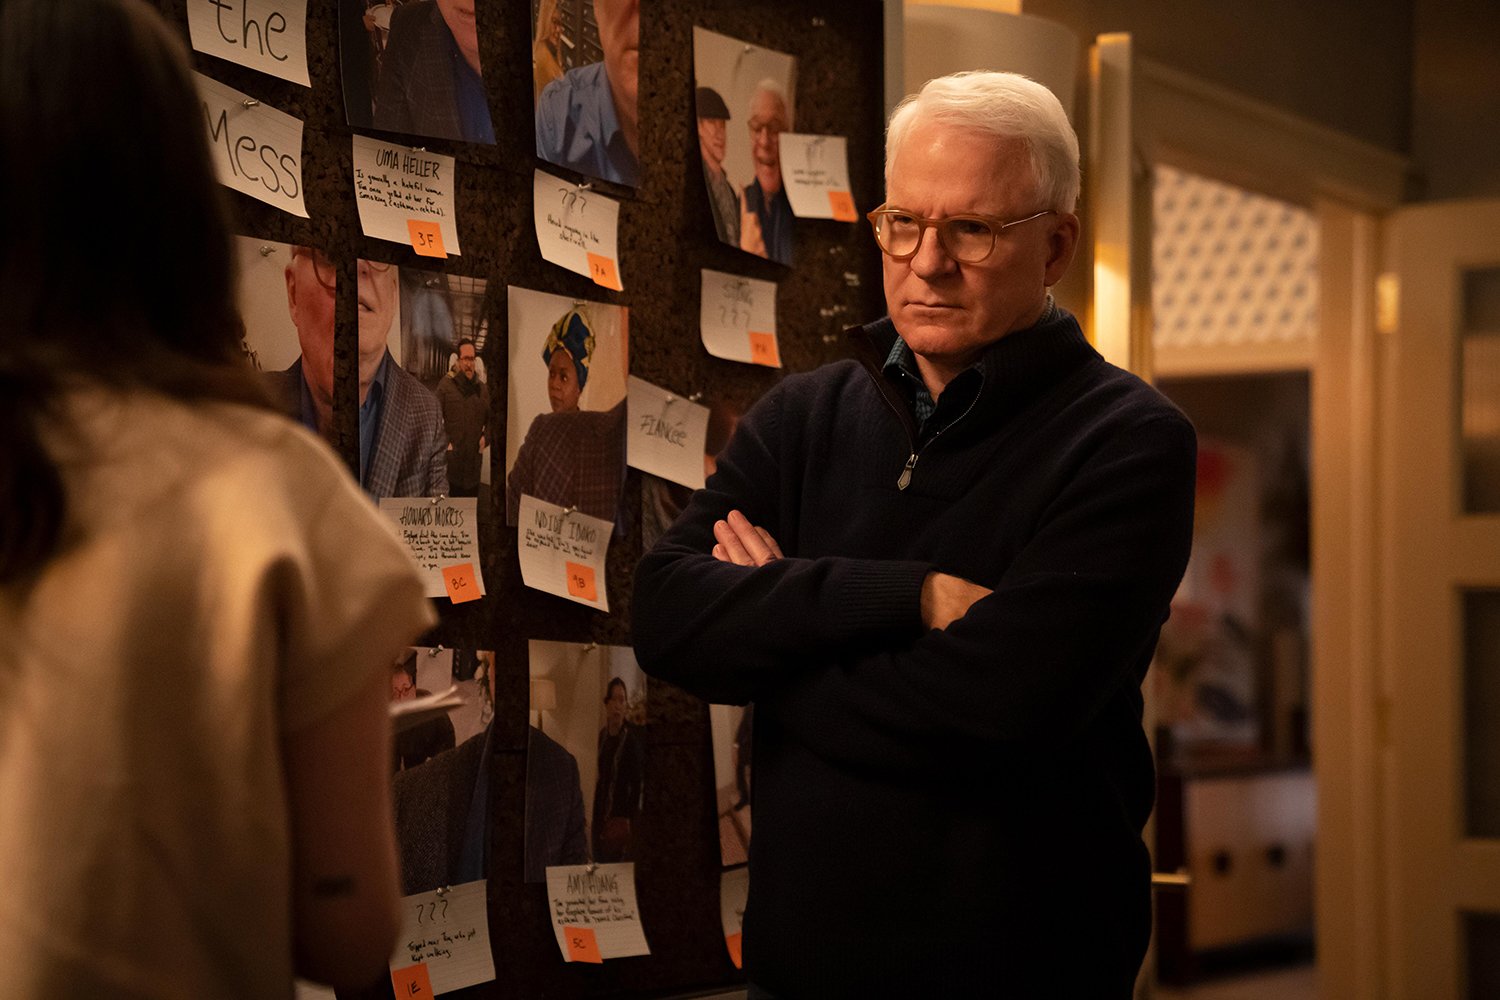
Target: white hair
<point>1005,106</point>
<point>770,85</point>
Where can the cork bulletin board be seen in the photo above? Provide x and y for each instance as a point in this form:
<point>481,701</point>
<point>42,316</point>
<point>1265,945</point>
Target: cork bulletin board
<point>666,236</point>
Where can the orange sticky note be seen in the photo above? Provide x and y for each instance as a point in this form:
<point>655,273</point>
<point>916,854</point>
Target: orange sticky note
<point>426,238</point>
<point>604,272</point>
<point>412,982</point>
<point>763,349</point>
<point>461,583</point>
<point>582,945</point>
<point>581,584</point>
<point>735,955</point>
<point>843,206</point>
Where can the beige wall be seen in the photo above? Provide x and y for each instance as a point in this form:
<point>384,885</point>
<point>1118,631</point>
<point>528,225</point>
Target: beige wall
<point>1416,77</point>
<point>1342,63</point>
<point>1456,113</point>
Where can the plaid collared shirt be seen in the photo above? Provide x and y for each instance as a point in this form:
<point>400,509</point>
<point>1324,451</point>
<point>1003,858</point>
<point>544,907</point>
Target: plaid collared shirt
<point>901,368</point>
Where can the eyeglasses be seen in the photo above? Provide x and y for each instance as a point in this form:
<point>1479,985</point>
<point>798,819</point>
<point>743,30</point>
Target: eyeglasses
<point>968,239</point>
<point>774,126</point>
<point>323,268</point>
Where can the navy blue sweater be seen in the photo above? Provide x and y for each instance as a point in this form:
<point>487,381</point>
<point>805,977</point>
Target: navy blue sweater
<point>953,812</point>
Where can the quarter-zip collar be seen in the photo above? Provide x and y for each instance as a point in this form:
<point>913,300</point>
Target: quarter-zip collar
<point>1014,368</point>
<point>1009,373</point>
<point>901,368</point>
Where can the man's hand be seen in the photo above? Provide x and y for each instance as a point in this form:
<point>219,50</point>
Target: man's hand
<point>751,239</point>
<point>947,598</point>
<point>743,544</point>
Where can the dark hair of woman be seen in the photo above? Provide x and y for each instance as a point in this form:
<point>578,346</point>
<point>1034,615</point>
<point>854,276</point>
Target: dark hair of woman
<point>118,268</point>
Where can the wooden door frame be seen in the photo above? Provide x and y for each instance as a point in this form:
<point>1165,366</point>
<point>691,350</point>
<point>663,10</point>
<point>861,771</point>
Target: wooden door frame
<point>1441,868</point>
<point>1197,126</point>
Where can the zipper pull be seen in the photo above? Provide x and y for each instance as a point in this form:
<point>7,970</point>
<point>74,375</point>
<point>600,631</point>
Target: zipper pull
<point>905,479</point>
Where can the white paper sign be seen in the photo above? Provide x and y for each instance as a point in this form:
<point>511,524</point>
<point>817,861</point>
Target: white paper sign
<point>734,889</point>
<point>439,534</point>
<point>562,551</point>
<point>596,908</point>
<point>738,319</point>
<point>413,712</point>
<point>257,150</point>
<point>665,434</point>
<point>815,170</point>
<point>449,931</point>
<point>268,35</point>
<point>396,185</point>
<point>577,229</point>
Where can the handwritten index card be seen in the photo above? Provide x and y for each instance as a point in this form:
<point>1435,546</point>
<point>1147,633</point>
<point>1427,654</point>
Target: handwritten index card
<point>257,150</point>
<point>577,228</point>
<point>394,185</point>
<point>601,902</point>
<point>563,551</point>
<point>439,534</point>
<point>816,171</point>
<point>734,889</point>
<point>737,319</point>
<point>448,931</point>
<point>665,434</point>
<point>268,35</point>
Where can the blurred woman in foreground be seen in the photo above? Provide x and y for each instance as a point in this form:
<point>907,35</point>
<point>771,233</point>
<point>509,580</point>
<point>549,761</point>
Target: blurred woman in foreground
<point>198,607</point>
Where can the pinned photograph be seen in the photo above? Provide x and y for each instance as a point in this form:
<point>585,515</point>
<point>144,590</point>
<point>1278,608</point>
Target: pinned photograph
<point>420,696</point>
<point>566,405</point>
<point>444,332</point>
<point>272,342</point>
<point>403,445</point>
<point>442,704</point>
<point>585,57</point>
<point>731,729</point>
<point>287,301</point>
<point>745,99</point>
<point>287,304</point>
<point>414,68</point>
<point>585,771</point>
<point>439,698</point>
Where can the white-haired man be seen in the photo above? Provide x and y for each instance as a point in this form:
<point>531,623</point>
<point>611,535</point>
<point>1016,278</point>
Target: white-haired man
<point>765,195</point>
<point>940,574</point>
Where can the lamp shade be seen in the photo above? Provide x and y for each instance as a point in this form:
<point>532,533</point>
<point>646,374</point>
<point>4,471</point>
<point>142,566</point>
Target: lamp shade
<point>940,39</point>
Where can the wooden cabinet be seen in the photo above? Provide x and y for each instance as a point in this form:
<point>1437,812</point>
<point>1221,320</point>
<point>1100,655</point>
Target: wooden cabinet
<point>1245,839</point>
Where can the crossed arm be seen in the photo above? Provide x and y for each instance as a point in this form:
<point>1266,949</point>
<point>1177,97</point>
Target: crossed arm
<point>897,665</point>
<point>945,597</point>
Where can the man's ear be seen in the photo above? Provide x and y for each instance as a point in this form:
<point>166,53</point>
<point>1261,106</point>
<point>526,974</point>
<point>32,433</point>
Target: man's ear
<point>1061,245</point>
<point>291,291</point>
